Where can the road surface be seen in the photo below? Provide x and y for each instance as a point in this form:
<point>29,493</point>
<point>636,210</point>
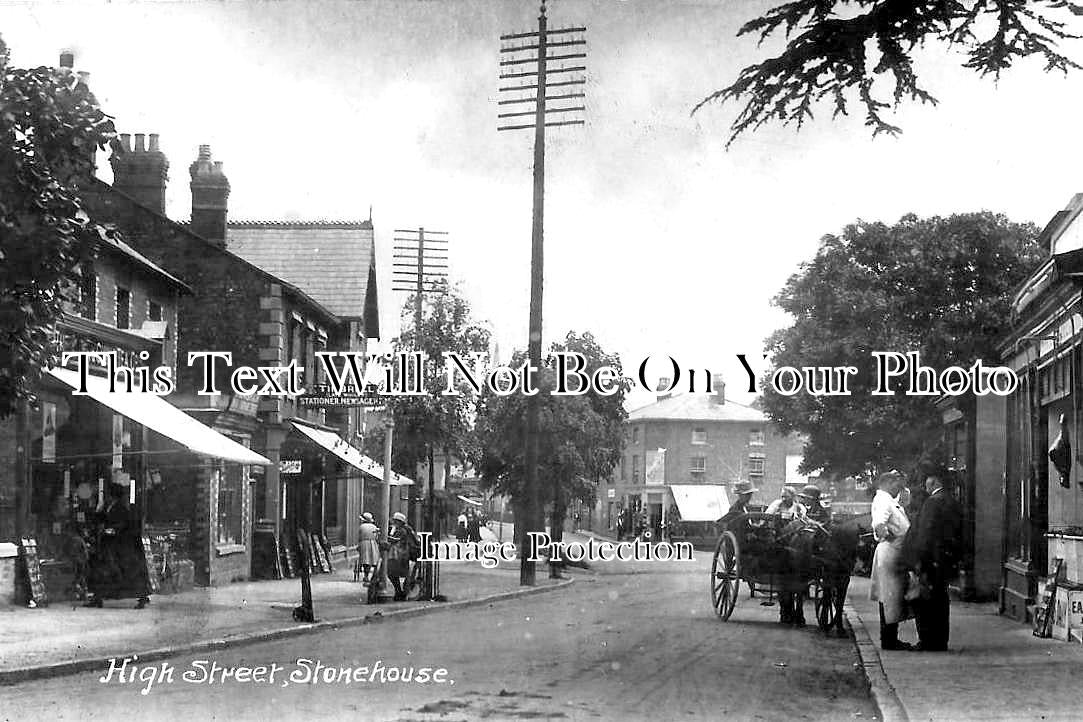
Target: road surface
<point>626,641</point>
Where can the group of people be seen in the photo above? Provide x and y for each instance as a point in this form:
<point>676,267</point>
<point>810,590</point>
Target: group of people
<point>806,504</point>
<point>402,547</point>
<point>468,527</point>
<point>914,561</point>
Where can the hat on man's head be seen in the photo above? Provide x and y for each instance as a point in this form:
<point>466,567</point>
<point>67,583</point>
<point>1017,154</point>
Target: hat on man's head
<point>399,516</point>
<point>367,516</point>
<point>811,491</point>
<point>744,487</point>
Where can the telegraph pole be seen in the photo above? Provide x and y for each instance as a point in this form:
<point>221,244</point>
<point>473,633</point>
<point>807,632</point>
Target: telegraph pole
<point>528,58</point>
<point>424,276</point>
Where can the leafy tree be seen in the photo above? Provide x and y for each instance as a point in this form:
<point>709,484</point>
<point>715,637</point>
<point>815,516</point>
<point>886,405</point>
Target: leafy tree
<point>434,422</point>
<point>581,437</point>
<point>50,127</point>
<point>829,52</point>
<point>938,286</point>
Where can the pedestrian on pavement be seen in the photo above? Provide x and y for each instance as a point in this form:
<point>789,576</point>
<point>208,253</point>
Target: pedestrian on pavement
<point>936,535</point>
<point>460,527</point>
<point>786,505</point>
<point>368,546</point>
<point>622,522</point>
<point>473,528</point>
<point>403,546</point>
<point>889,569</point>
<point>117,567</point>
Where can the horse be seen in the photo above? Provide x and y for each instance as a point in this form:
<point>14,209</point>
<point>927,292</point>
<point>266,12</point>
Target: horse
<point>825,554</point>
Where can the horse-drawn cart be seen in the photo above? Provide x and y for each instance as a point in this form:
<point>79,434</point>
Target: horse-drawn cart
<point>784,560</point>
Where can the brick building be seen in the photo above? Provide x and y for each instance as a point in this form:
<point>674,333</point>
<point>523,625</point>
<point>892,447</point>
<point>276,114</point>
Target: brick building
<point>679,447</point>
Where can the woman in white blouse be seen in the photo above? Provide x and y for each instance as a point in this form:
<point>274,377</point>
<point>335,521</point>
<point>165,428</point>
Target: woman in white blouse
<point>889,527</point>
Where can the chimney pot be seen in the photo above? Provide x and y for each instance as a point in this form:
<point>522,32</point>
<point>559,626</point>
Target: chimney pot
<point>218,167</point>
<point>126,141</point>
<point>663,390</point>
<point>204,152</point>
<point>84,77</point>
<point>210,195</point>
<point>154,142</point>
<point>67,59</point>
<point>140,143</point>
<point>719,387</point>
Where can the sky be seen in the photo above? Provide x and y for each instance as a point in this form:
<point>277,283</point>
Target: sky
<point>657,239</point>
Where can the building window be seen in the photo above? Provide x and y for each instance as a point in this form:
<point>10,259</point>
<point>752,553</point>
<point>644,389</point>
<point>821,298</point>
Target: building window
<point>635,435</point>
<point>755,437</point>
<point>756,465</point>
<point>699,464</point>
<point>88,295</point>
<point>124,308</point>
<point>154,311</point>
<point>623,476</point>
<point>230,503</point>
<point>699,435</point>
<point>635,469</point>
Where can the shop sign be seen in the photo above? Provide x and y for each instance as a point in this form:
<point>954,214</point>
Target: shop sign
<point>289,466</point>
<point>71,341</point>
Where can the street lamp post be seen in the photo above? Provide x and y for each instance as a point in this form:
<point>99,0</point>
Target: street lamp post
<point>384,584</point>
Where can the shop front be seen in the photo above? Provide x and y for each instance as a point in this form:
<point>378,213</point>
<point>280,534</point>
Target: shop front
<point>81,444</point>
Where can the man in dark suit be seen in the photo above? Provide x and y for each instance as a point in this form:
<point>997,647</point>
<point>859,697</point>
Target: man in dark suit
<point>935,551</point>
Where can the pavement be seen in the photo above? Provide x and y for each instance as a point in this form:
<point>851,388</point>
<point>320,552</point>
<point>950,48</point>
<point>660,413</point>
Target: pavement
<point>67,638</point>
<point>994,669</point>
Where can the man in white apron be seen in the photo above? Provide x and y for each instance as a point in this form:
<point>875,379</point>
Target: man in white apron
<point>889,527</point>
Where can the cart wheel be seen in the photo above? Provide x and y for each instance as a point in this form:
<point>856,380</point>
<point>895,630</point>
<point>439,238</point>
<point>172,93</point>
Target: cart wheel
<point>825,607</point>
<point>725,575</point>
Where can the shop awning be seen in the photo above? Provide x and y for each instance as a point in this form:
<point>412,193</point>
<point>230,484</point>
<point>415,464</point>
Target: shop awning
<point>469,501</point>
<point>350,454</point>
<point>700,502</point>
<point>156,413</point>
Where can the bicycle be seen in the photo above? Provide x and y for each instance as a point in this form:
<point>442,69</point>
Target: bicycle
<point>168,571</point>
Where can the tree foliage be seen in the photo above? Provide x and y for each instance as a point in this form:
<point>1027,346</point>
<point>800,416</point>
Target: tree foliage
<point>939,286</point>
<point>437,422</point>
<point>581,437</point>
<point>50,128</point>
<point>837,47</point>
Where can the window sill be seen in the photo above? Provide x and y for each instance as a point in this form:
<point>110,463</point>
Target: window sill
<point>227,549</point>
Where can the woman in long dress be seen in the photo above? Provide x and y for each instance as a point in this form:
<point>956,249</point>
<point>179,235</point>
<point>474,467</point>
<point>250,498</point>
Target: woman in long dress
<point>118,565</point>
<point>368,546</point>
<point>889,526</point>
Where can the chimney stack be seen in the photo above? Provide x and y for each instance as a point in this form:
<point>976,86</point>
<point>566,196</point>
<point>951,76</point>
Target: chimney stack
<point>719,387</point>
<point>140,172</point>
<point>67,59</point>
<point>210,193</point>
<point>663,390</point>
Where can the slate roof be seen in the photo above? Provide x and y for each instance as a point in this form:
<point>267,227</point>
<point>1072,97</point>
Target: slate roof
<point>331,261</point>
<point>696,407</point>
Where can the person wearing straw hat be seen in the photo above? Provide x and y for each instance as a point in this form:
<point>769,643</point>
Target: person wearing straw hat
<point>403,545</point>
<point>368,547</point>
<point>743,490</point>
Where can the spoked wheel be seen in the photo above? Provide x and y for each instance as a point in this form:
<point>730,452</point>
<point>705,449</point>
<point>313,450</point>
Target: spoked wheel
<point>825,607</point>
<point>725,575</point>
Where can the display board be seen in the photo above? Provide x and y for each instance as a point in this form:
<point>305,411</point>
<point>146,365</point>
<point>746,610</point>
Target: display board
<point>31,564</point>
<point>152,570</point>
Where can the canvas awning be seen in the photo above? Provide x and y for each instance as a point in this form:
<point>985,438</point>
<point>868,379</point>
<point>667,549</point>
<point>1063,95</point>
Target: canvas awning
<point>700,502</point>
<point>156,413</point>
<point>469,501</point>
<point>350,454</point>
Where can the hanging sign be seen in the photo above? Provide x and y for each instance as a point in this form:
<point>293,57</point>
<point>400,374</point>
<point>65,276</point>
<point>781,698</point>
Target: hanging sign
<point>289,466</point>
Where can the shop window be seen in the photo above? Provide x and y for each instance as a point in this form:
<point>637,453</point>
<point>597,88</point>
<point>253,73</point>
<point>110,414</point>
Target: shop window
<point>124,308</point>
<point>230,504</point>
<point>699,435</point>
<point>755,437</point>
<point>154,311</point>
